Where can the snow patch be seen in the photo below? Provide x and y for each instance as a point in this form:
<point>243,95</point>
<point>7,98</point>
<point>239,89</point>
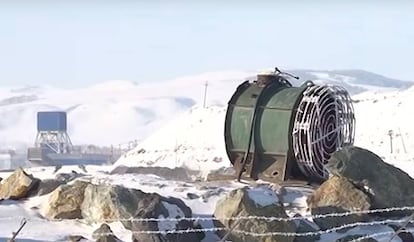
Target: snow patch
<point>262,196</point>
<point>173,212</point>
<point>194,140</point>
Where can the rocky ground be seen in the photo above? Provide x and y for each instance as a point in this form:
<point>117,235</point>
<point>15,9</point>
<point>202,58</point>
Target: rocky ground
<point>93,204</point>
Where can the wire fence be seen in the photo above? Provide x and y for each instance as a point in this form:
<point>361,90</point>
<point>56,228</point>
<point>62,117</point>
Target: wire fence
<point>268,219</point>
<point>404,222</point>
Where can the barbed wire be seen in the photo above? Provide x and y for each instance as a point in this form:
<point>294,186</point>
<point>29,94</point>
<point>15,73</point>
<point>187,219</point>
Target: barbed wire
<point>255,234</point>
<point>236,218</point>
<point>368,236</point>
<point>270,234</point>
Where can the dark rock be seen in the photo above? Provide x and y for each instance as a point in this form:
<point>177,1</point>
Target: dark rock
<point>403,234</point>
<point>354,237</point>
<point>200,186</point>
<point>240,203</point>
<point>57,168</point>
<point>338,195</point>
<point>386,185</point>
<point>104,234</point>
<point>65,201</point>
<point>148,207</point>
<point>18,185</point>
<point>176,208</point>
<point>205,196</point>
<point>180,204</point>
<point>155,206</point>
<point>45,186</point>
<point>75,238</point>
<point>184,225</point>
<point>68,177</point>
<point>192,196</point>
<point>304,226</point>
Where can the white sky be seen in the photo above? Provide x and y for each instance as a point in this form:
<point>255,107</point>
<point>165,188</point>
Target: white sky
<point>75,43</point>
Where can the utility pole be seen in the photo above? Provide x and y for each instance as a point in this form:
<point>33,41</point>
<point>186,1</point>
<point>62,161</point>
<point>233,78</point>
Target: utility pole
<point>205,94</point>
<point>390,133</point>
<point>402,140</point>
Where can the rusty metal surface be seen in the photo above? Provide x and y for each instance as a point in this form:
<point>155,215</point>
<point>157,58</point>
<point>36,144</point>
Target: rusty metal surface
<point>257,123</point>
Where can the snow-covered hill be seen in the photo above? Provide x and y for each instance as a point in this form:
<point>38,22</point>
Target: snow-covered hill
<point>355,81</point>
<point>194,140</point>
<point>379,112</point>
<point>105,114</point>
<point>117,112</point>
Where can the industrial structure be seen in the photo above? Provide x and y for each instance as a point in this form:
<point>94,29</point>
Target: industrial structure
<point>54,147</point>
<point>276,132</point>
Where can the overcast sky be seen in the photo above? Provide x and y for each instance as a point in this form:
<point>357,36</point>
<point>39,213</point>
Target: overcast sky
<point>75,43</point>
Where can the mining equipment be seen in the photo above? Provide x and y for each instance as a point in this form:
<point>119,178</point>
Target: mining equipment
<point>53,145</point>
<point>277,132</point>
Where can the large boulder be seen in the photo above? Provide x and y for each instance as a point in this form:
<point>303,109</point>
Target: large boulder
<point>386,185</point>
<point>65,201</point>
<point>261,201</point>
<point>338,195</point>
<point>17,185</point>
<point>155,206</point>
<point>103,203</point>
<point>108,203</point>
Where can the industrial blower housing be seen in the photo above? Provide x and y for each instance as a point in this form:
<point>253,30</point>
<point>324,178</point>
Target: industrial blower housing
<point>276,132</point>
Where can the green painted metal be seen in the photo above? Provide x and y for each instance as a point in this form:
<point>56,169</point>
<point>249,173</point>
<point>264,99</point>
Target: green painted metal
<point>273,122</point>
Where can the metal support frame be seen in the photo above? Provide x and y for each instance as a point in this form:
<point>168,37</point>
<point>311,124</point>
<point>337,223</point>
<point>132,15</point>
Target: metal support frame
<point>57,141</point>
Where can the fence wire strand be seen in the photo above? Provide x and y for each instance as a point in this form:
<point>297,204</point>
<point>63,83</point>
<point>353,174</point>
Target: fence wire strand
<point>277,233</point>
<point>374,235</point>
<point>404,221</point>
<point>265,234</point>
<point>268,219</point>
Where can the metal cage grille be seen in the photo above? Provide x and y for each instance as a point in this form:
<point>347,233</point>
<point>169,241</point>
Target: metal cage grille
<point>324,122</point>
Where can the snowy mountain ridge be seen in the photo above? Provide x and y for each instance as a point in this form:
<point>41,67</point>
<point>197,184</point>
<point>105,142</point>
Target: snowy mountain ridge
<point>116,112</point>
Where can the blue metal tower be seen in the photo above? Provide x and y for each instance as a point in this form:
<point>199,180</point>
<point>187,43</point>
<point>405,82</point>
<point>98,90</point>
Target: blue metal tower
<point>52,132</point>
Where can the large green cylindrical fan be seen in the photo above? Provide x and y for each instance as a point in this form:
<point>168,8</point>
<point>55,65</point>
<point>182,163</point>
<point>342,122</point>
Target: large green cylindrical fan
<point>275,131</point>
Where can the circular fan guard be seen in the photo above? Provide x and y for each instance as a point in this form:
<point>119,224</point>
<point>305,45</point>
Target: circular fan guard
<point>324,122</point>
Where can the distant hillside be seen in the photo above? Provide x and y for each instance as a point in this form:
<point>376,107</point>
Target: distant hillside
<point>355,81</point>
<point>115,112</point>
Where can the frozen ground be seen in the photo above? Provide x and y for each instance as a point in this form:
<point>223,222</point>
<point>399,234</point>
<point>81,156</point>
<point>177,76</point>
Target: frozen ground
<point>208,193</point>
